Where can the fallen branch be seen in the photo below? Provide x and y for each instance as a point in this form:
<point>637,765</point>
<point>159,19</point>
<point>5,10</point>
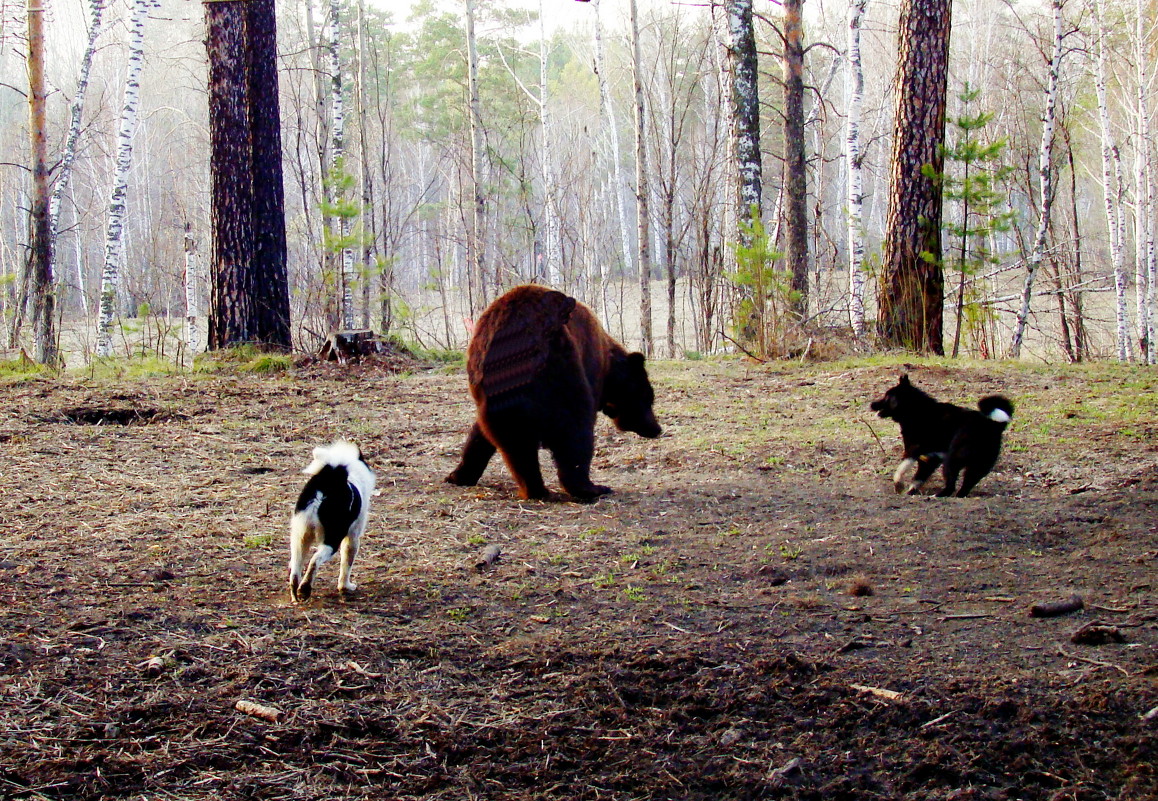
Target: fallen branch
<point>1094,633</point>
<point>1063,652</point>
<point>256,710</point>
<point>877,692</point>
<point>880,444</point>
<point>1152,715</point>
<point>1057,608</point>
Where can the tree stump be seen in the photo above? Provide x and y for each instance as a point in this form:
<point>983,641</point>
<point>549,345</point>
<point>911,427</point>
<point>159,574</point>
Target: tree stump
<point>347,346</point>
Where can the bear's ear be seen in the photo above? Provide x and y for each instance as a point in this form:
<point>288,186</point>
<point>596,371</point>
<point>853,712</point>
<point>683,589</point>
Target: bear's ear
<point>636,360</point>
<point>558,307</point>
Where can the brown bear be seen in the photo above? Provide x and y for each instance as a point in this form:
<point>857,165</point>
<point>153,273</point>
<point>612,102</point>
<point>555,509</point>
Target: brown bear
<point>541,368</point>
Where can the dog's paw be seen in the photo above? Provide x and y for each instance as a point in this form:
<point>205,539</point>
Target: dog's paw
<point>900,487</point>
<point>349,586</point>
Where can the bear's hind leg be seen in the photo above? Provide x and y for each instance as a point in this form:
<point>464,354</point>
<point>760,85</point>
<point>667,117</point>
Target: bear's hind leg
<point>573,461</point>
<point>476,454</point>
<point>521,453</point>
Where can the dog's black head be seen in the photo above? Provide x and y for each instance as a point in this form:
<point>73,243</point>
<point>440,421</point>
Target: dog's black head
<point>897,398</point>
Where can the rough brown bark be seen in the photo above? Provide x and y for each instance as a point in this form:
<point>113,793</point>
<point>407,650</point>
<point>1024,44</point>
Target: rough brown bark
<point>231,214</point>
<point>249,296</point>
<point>912,284</point>
<point>795,153</point>
<point>270,282</point>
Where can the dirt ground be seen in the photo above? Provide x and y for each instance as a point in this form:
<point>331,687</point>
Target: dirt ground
<point>753,614</point>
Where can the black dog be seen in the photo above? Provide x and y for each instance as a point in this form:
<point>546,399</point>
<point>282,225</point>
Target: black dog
<point>966,441</point>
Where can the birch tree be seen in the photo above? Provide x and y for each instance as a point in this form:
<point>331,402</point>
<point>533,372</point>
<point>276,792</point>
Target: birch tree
<point>854,160</point>
<point>610,129</point>
<point>1045,181</point>
<point>642,191</point>
<point>1111,186</point>
<point>118,201</point>
<point>338,178</point>
<point>745,110</point>
<point>474,243</point>
<point>1144,272</point>
<point>76,110</point>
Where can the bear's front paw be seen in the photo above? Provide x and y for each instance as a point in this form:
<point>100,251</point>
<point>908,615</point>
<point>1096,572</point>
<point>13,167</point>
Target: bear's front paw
<point>589,493</point>
<point>458,481</point>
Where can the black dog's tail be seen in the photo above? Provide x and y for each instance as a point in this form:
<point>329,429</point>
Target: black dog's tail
<point>997,408</point>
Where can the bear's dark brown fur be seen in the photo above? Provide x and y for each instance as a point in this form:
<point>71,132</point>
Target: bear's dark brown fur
<point>541,368</point>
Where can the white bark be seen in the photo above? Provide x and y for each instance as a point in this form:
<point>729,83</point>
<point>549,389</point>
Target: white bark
<point>855,93</point>
<point>194,314</point>
<point>1111,189</point>
<point>474,242</point>
<point>114,243</point>
<point>611,129</point>
<point>1143,195</point>
<point>642,191</point>
<point>1045,181</point>
<point>554,252</point>
<point>337,164</point>
<point>76,109</point>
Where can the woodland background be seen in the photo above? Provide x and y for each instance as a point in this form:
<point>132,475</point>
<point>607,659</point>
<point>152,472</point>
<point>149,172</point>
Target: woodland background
<point>558,170</point>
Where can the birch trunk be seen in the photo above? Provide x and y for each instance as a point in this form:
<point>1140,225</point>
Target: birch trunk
<point>1110,188</point>
<point>337,168</point>
<point>76,109</point>
<point>474,243</point>
<point>854,91</point>
<point>193,310</point>
<point>642,191</point>
<point>1045,182</point>
<point>611,127</point>
<point>745,109</point>
<point>1144,196</point>
<point>114,243</point>
<point>554,254</point>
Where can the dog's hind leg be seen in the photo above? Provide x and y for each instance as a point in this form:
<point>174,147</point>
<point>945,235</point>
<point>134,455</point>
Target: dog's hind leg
<point>300,534</point>
<point>952,470</point>
<point>926,465</point>
<point>349,550</point>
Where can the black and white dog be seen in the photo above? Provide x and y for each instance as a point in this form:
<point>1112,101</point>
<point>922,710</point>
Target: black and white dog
<point>331,513</point>
<point>965,441</point>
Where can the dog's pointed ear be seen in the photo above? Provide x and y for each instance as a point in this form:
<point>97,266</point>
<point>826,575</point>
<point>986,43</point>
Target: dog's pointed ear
<point>904,382</point>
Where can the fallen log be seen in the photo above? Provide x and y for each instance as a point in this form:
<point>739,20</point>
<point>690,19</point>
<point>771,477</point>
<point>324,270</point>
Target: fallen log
<point>1057,608</point>
<point>488,557</point>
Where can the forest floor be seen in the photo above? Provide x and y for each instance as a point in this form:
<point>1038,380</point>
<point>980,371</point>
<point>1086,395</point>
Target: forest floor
<point>753,614</point>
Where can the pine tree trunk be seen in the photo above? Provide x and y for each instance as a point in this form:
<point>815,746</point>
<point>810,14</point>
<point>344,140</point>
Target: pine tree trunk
<point>1045,182</point>
<point>114,244</point>
<point>796,165</point>
<point>913,284</point>
<point>642,192</point>
<point>269,285</point>
<point>854,91</point>
<point>231,180</point>
<point>39,266</point>
<point>1111,190</point>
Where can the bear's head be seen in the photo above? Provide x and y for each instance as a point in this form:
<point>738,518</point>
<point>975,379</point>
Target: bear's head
<point>628,396</point>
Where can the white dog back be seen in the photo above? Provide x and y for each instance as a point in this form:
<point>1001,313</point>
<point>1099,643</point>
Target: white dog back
<point>331,513</point>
